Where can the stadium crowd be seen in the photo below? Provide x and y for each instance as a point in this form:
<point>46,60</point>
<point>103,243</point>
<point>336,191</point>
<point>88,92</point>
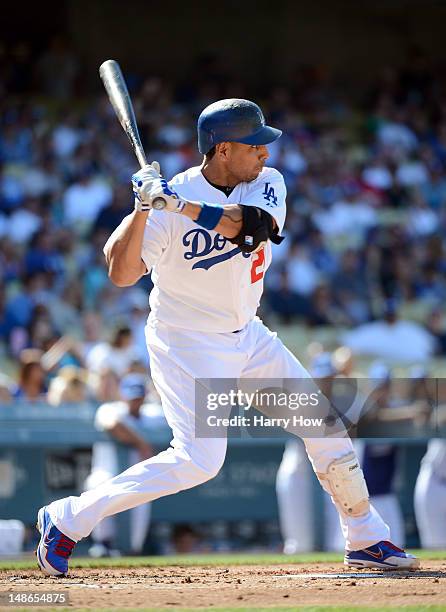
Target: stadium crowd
<point>366,180</point>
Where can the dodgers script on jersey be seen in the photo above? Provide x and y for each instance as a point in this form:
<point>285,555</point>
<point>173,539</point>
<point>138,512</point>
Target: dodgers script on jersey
<point>202,281</point>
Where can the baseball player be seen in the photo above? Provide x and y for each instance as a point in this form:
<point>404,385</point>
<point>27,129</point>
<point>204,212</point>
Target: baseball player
<point>430,488</point>
<point>430,496</point>
<point>206,237</point>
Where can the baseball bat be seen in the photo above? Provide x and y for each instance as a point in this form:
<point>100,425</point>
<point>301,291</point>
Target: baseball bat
<point>119,97</point>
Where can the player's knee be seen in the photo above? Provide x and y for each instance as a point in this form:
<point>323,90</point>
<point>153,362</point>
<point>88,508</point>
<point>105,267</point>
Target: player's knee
<point>204,467</point>
<point>214,467</point>
<point>96,478</point>
<point>209,467</point>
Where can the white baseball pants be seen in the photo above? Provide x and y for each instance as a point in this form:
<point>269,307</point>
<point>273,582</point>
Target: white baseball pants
<point>104,470</point>
<point>177,358</point>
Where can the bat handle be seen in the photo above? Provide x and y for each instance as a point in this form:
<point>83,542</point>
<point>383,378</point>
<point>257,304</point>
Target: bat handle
<point>141,156</point>
<point>159,203</point>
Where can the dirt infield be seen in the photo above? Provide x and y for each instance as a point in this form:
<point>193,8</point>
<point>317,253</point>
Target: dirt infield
<point>240,586</point>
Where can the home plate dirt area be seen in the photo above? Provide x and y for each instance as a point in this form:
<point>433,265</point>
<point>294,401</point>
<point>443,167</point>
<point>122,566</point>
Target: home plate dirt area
<point>239,586</point>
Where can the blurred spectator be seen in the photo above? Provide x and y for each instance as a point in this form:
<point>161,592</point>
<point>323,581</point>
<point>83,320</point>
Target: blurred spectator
<point>376,174</point>
<point>303,276</point>
<point>40,327</point>
<point>185,539</point>
<point>92,330</point>
<point>412,172</point>
<point>422,220</point>
<point>285,303</point>
<point>394,133</point>
<point>66,137</point>
<point>117,355</point>
<point>351,290</point>
<point>15,143</point>
<point>391,338</point>
<point>42,180</point>
<point>350,216</point>
<point>105,385</point>
<point>42,255</point>
<point>436,325</point>
<point>19,307</point>
<point>321,253</point>
<point>95,281</point>
<point>31,381</point>
<point>84,199</point>
<point>61,352</point>
<point>68,387</point>
<point>111,215</point>
<point>24,222</point>
<point>434,190</point>
<point>6,390</point>
<point>323,309</point>
<point>136,304</point>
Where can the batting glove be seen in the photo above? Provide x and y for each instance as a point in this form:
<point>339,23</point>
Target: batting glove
<point>164,197</point>
<point>142,182</point>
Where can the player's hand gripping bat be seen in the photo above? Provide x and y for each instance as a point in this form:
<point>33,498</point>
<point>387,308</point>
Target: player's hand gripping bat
<point>119,97</point>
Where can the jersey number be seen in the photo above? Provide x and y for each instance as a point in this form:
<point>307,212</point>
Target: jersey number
<point>258,265</point>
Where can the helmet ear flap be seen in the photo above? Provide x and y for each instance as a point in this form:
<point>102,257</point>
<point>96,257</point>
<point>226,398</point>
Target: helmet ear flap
<point>205,142</point>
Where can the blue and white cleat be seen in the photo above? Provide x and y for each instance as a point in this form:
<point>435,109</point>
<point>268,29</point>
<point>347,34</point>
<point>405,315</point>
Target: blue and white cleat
<point>54,547</point>
<point>384,556</point>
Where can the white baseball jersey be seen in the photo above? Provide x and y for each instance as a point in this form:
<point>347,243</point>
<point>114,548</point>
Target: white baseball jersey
<point>201,280</point>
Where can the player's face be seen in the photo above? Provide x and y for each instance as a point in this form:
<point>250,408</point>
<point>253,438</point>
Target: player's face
<point>135,405</point>
<point>245,162</point>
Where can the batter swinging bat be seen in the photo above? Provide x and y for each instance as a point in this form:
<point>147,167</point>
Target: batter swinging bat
<point>119,97</point>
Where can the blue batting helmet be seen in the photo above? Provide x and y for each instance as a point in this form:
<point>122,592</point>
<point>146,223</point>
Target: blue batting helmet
<point>133,386</point>
<point>233,120</point>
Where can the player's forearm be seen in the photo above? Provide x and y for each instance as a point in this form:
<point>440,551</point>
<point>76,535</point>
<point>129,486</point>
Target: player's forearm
<point>157,193</point>
<point>123,250</point>
<point>230,223</point>
<point>125,435</point>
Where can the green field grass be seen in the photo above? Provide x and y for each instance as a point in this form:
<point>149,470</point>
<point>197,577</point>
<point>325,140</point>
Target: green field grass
<point>205,559</point>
